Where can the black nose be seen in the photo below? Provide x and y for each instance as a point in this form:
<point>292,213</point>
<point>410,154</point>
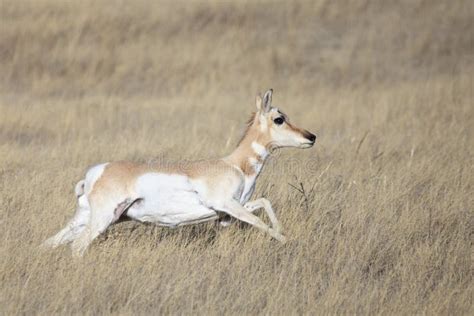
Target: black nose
<point>311,137</point>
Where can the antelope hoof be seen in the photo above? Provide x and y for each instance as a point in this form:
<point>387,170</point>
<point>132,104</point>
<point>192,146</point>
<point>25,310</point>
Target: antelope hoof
<point>277,227</point>
<point>48,244</point>
<point>278,236</point>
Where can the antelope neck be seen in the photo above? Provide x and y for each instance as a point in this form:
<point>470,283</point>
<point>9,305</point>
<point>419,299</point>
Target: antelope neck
<point>249,156</point>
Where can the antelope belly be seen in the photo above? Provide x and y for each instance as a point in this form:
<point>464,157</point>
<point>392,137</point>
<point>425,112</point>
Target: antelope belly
<point>168,199</point>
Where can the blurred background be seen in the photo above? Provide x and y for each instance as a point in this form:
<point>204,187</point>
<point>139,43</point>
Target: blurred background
<point>164,48</point>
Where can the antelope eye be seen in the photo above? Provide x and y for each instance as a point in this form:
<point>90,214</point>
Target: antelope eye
<point>279,120</point>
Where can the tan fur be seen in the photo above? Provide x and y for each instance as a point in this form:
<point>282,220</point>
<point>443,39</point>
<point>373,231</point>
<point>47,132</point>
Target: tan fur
<point>244,151</point>
<point>302,132</point>
<point>122,175</point>
<point>211,186</point>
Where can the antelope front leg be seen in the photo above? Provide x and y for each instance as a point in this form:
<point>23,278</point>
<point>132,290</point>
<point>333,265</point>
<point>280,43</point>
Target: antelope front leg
<point>265,204</point>
<point>234,209</point>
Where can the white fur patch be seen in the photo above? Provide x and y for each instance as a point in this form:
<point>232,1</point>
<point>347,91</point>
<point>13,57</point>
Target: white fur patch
<point>249,180</point>
<point>154,182</point>
<point>168,199</point>
<point>257,165</point>
<point>259,149</point>
<point>249,187</point>
<point>253,161</point>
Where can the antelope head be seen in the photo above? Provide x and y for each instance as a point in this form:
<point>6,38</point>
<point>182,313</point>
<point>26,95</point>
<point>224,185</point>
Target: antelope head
<point>275,128</point>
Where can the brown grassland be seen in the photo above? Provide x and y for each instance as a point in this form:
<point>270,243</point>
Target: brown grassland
<point>378,215</point>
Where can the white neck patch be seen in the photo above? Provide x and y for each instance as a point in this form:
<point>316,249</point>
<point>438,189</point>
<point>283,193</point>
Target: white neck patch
<point>259,149</point>
<point>257,165</point>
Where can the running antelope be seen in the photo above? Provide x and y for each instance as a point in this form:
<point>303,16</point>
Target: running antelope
<point>184,193</point>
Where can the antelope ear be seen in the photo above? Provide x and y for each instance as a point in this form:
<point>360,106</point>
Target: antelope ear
<point>258,102</point>
<point>267,100</point>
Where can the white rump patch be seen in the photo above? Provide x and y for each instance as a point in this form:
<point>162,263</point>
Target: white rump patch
<point>79,188</point>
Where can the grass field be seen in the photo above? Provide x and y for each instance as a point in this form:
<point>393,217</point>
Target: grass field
<point>378,215</point>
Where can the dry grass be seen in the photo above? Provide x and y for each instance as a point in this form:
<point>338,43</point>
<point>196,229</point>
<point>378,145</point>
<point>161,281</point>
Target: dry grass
<point>386,221</point>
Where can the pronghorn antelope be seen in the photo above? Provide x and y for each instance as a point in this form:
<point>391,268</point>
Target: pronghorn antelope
<point>184,193</point>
